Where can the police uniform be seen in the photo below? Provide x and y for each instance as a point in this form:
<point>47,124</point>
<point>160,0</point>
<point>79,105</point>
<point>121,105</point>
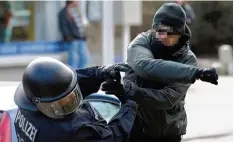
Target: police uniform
<point>35,121</point>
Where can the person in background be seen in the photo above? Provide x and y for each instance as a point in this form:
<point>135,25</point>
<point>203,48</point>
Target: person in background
<point>190,14</point>
<point>72,28</point>
<point>4,18</point>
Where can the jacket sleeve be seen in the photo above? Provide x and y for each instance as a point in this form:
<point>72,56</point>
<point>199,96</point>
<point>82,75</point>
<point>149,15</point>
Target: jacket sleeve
<point>165,98</point>
<point>142,61</point>
<point>62,25</point>
<point>117,130</point>
<point>88,80</point>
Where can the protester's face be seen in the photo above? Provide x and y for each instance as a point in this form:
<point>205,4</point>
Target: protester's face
<point>166,35</point>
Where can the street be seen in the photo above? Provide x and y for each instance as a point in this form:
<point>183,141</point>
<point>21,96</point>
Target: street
<point>209,110</point>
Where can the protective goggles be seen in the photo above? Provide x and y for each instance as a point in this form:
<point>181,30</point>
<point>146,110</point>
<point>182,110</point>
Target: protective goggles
<point>64,106</point>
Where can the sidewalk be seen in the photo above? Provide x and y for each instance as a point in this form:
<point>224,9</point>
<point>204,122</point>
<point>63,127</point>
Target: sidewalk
<point>210,112</point>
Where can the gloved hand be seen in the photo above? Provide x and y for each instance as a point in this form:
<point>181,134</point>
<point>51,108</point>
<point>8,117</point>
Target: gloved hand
<point>112,87</point>
<point>207,75</point>
<point>112,71</point>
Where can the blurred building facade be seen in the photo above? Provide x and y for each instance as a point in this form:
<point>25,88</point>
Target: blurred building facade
<point>37,21</point>
<point>212,28</point>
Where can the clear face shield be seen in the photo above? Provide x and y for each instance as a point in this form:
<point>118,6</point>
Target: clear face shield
<point>64,106</point>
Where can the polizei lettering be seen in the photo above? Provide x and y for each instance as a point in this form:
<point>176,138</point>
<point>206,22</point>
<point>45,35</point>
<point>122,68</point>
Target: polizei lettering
<point>26,126</point>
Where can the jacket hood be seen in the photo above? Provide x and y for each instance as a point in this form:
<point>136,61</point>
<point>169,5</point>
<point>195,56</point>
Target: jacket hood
<point>183,45</point>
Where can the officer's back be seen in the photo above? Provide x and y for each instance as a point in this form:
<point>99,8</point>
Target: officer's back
<point>34,127</point>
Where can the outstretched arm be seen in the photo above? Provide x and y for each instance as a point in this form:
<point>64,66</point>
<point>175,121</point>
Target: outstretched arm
<point>164,98</point>
<point>142,61</point>
<point>88,80</point>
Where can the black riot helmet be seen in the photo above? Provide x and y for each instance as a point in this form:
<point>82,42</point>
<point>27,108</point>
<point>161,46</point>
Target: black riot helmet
<point>49,86</point>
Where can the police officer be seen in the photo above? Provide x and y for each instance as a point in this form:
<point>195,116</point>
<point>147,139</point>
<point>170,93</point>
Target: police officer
<point>51,106</point>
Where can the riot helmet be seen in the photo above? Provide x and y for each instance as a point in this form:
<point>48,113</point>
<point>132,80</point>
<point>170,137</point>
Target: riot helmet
<point>49,86</point>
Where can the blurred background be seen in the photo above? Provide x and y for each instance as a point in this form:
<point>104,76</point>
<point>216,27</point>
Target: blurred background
<point>30,29</point>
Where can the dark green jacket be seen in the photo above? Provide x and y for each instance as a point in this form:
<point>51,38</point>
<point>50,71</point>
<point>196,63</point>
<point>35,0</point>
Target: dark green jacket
<point>161,84</point>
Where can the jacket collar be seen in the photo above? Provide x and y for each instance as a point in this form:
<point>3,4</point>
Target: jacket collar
<point>184,42</point>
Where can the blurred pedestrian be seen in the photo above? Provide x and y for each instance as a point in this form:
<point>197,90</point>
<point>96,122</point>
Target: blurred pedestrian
<point>190,14</point>
<point>72,27</point>
<point>4,18</point>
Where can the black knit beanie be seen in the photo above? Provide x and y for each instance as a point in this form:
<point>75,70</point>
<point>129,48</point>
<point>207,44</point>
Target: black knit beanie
<point>171,14</point>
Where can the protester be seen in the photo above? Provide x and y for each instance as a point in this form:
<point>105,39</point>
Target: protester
<point>163,69</point>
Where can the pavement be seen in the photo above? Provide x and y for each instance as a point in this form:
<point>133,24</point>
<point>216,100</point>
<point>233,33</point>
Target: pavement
<point>210,111</point>
<point>209,107</point>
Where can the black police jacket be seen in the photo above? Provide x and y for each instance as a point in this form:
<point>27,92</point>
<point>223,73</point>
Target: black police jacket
<point>83,125</point>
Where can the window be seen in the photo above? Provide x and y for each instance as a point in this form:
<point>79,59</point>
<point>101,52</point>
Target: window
<point>106,109</point>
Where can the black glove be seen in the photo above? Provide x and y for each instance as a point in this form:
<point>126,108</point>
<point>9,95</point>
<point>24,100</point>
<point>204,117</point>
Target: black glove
<point>112,71</point>
<point>207,75</point>
<point>114,88</point>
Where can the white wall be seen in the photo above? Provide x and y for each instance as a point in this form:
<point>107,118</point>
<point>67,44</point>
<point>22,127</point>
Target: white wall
<point>46,20</point>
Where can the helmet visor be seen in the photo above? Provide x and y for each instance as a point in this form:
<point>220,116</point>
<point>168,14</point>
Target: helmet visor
<point>63,106</point>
